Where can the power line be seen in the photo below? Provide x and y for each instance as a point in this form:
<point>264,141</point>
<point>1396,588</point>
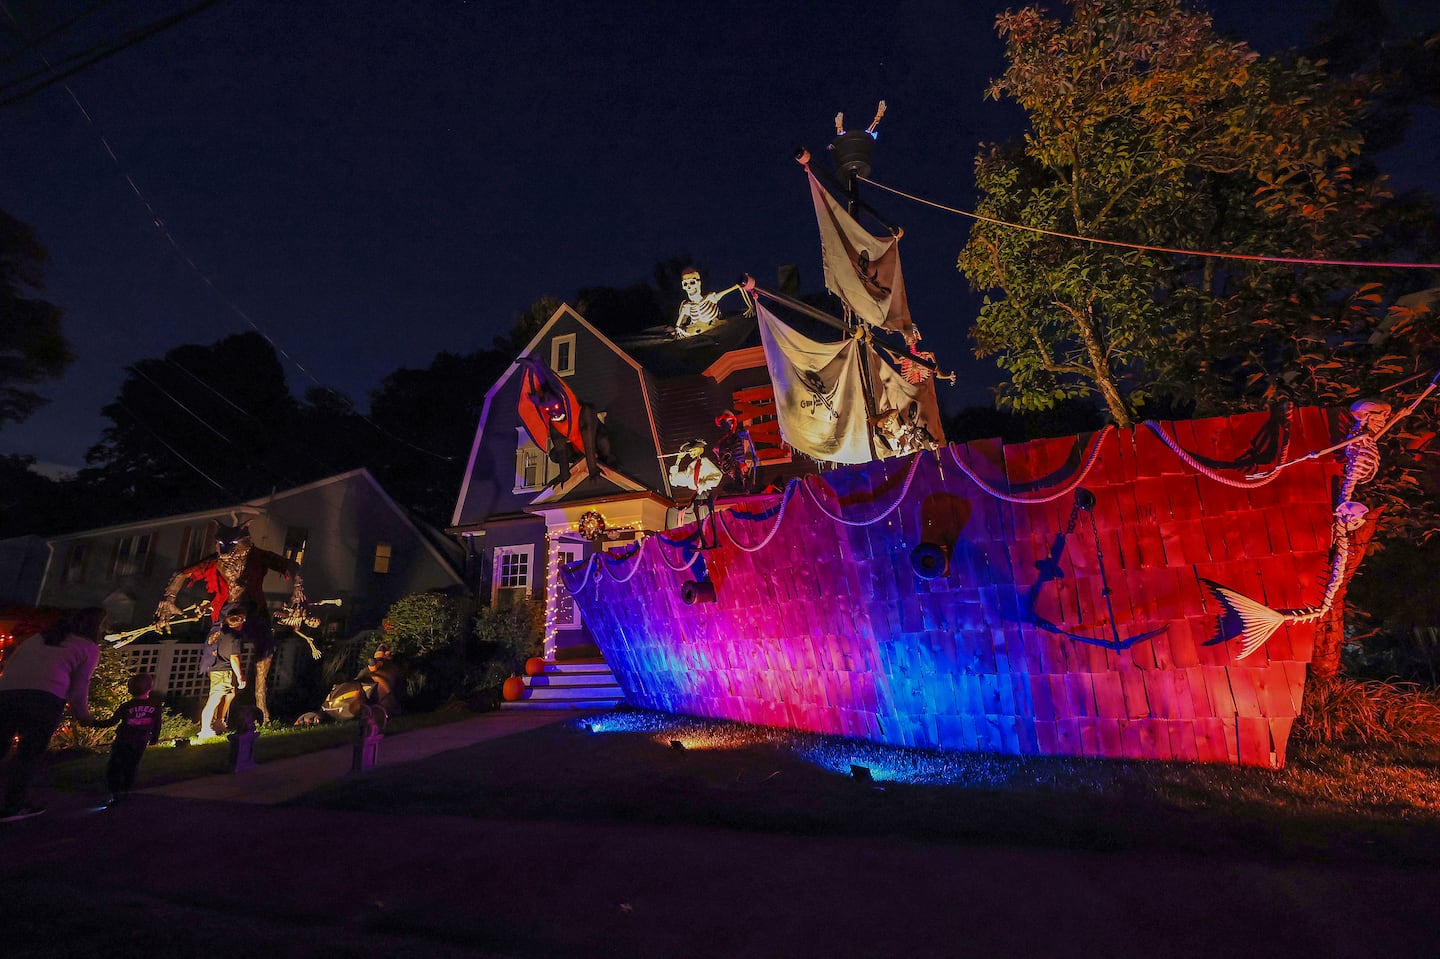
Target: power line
<point>171,397</point>
<point>164,231</point>
<point>1298,261</point>
<point>44,38</point>
<point>89,57</point>
<point>178,455</point>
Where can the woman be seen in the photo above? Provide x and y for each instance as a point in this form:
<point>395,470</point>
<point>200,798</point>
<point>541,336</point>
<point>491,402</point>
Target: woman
<point>46,671</point>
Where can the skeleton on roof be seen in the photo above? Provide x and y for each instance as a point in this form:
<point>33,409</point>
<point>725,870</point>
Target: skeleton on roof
<point>700,311</point>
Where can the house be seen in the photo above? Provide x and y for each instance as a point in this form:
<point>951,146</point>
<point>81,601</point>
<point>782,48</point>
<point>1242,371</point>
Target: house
<point>22,568</point>
<point>352,541</point>
<point>520,520</point>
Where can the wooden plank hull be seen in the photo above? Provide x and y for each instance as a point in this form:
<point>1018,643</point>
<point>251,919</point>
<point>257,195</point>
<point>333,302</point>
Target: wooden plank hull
<point>1097,638</point>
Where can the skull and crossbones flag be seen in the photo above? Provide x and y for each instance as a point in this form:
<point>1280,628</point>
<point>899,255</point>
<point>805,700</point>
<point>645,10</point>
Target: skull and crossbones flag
<point>819,395</point>
<point>863,270</point>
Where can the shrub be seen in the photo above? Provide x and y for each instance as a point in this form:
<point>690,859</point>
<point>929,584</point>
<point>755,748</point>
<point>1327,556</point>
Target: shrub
<point>512,635</point>
<point>426,633</point>
<point>1343,710</point>
<point>423,624</point>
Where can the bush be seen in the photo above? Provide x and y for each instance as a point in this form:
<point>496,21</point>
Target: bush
<point>427,634</point>
<point>1411,654</point>
<point>1343,710</point>
<point>511,635</point>
<point>176,725</point>
<point>423,624</point>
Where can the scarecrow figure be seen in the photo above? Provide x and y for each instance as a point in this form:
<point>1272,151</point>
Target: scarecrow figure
<point>234,576</point>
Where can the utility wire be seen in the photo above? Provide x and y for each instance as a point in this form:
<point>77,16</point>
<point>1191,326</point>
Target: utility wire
<point>171,397</point>
<point>89,57</point>
<point>178,455</point>
<point>159,225</point>
<point>982,218</point>
<point>52,33</point>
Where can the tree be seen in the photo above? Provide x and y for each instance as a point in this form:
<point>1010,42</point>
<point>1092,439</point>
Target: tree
<point>527,323</point>
<point>426,420</point>
<point>1147,128</point>
<point>202,426</point>
<point>32,348</point>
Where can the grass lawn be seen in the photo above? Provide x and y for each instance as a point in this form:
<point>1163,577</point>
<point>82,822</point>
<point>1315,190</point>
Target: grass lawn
<point>166,763</point>
<point>1327,805</point>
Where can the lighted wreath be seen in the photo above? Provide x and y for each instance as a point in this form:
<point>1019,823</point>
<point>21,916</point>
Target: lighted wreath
<point>592,525</point>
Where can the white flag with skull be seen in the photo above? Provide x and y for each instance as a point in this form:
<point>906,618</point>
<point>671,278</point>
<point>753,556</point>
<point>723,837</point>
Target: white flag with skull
<point>819,395</point>
<point>862,269</point>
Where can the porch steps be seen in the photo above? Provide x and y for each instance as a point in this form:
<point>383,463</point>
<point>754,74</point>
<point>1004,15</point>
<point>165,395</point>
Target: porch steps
<point>576,684</point>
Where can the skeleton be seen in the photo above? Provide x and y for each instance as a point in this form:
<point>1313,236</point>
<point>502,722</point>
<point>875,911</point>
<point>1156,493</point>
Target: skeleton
<point>901,431</point>
<point>700,311</point>
<point>735,453</point>
<point>235,576</point>
<point>1362,461</point>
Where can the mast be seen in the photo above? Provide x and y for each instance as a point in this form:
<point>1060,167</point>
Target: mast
<point>852,152</point>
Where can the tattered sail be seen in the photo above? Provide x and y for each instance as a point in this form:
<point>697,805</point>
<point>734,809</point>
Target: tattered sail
<point>819,395</point>
<point>912,406</point>
<point>863,270</point>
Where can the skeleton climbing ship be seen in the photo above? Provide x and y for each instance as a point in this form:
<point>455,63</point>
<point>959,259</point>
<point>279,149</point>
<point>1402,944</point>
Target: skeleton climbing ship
<point>1073,596</point>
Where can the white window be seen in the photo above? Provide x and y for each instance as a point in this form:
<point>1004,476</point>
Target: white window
<point>382,558</point>
<point>195,542</point>
<point>562,354</point>
<point>132,555</point>
<point>533,468</point>
<point>510,579</point>
<point>566,616</point>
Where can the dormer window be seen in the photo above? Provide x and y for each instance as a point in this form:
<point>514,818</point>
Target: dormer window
<point>562,355</point>
<point>533,468</point>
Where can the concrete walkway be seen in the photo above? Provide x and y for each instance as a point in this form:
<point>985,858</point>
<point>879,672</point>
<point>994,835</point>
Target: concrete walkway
<point>280,780</point>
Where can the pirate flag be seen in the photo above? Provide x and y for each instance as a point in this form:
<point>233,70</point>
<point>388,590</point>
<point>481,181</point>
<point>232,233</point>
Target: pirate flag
<point>863,270</point>
<point>819,395</point>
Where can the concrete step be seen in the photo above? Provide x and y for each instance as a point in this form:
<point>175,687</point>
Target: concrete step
<point>575,684</point>
<point>579,667</point>
<point>587,691</point>
<point>556,680</point>
<point>579,704</point>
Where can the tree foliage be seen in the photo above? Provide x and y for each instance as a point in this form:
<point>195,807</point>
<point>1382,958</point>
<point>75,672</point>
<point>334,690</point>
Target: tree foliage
<point>201,426</point>
<point>32,348</point>
<point>1146,128</point>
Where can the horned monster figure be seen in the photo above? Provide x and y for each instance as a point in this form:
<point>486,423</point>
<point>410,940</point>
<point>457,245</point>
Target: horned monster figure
<point>234,576</point>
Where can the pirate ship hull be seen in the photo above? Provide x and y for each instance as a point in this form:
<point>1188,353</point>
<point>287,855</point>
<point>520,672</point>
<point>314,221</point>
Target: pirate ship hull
<point>965,601</point>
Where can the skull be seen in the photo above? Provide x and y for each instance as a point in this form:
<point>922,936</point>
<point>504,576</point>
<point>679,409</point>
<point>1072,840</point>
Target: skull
<point>1369,415</point>
<point>1351,515</point>
<point>690,283</point>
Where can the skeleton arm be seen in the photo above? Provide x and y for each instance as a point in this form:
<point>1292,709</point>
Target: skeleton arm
<point>167,610</point>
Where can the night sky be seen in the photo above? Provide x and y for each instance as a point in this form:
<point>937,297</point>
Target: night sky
<point>373,182</point>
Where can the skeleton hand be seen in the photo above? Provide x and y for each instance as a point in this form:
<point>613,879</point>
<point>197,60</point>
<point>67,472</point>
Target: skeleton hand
<point>297,595</point>
<point>166,611</point>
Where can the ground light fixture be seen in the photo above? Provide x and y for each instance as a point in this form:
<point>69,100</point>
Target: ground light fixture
<point>861,773</point>
<point>677,745</point>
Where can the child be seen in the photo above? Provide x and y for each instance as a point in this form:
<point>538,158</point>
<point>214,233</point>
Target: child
<point>139,721</point>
